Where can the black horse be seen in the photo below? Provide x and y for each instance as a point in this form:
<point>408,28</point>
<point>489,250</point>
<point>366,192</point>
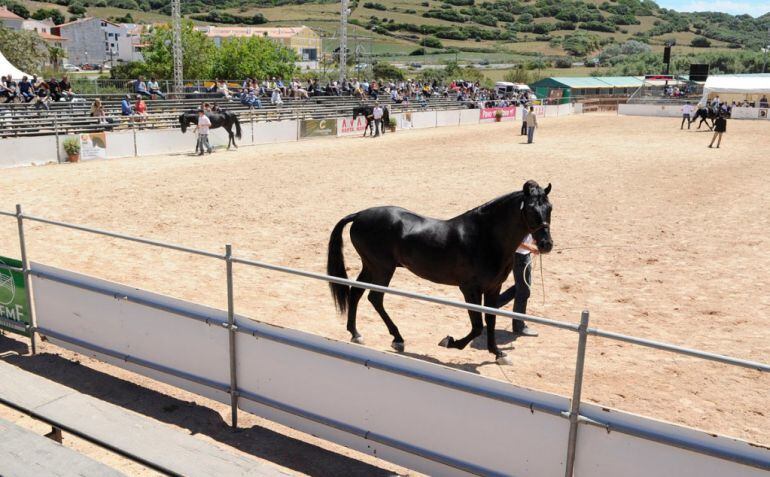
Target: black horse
<point>368,113</point>
<point>705,114</point>
<point>225,119</point>
<point>473,251</point>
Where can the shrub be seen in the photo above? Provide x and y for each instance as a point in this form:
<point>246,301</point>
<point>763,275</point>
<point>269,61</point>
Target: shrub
<point>700,42</point>
<point>431,42</point>
<point>375,6</point>
<point>562,63</point>
<point>417,52</point>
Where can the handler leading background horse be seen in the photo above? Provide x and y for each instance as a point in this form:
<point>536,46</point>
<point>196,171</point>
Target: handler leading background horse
<point>473,251</point>
<point>222,118</point>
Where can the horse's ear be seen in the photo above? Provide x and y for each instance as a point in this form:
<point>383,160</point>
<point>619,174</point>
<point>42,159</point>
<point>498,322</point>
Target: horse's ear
<point>547,190</point>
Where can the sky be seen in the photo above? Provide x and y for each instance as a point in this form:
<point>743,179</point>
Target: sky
<point>754,8</point>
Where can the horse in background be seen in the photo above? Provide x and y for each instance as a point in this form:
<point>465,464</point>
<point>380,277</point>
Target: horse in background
<point>473,251</point>
<point>368,113</point>
<point>219,119</point>
<point>705,114</point>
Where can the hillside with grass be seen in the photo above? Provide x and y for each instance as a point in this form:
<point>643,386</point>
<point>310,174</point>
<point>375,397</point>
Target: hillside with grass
<point>559,33</point>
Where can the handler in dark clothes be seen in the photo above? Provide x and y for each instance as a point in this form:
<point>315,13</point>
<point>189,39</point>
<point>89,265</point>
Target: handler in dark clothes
<point>720,127</point>
<point>519,292</point>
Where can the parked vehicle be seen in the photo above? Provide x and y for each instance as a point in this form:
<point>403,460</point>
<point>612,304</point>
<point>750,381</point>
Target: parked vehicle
<point>70,68</point>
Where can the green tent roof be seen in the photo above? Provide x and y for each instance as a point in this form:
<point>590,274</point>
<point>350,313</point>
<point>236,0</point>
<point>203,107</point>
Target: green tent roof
<point>579,82</point>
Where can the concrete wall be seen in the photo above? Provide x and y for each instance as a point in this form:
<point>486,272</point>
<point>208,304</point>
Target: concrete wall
<point>42,149</point>
<point>420,415</point>
<point>662,110</point>
<point>28,151</point>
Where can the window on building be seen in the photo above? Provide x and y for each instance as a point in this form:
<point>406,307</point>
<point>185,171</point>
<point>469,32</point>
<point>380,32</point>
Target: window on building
<point>309,54</point>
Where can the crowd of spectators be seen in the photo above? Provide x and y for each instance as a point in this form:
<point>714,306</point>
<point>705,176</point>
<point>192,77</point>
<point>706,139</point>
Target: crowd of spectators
<point>35,90</point>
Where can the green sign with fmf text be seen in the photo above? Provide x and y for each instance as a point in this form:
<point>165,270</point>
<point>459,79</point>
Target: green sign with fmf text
<point>14,309</point>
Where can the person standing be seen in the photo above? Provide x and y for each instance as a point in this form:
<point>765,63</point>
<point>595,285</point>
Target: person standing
<point>720,127</point>
<point>687,111</point>
<point>377,112</point>
<point>524,114</point>
<point>520,291</point>
<point>531,124</point>
<point>204,123</point>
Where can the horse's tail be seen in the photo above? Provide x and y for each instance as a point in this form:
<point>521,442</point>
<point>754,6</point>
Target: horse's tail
<point>335,264</point>
<point>237,126</point>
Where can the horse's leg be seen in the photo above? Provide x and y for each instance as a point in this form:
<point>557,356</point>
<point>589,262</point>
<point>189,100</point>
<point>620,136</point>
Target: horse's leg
<point>474,298</point>
<point>490,300</point>
<point>376,299</point>
<point>353,299</point>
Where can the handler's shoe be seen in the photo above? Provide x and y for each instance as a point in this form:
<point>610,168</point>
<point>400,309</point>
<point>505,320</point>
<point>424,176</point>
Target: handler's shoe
<point>527,331</point>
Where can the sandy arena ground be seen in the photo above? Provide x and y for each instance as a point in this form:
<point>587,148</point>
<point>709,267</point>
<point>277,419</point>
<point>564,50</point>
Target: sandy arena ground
<point>657,235</point>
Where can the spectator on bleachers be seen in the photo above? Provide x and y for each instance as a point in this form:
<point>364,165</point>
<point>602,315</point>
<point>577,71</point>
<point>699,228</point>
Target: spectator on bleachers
<point>65,88</point>
<point>297,91</point>
<point>140,108</point>
<point>250,99</point>
<point>763,102</point>
<point>4,91</point>
<point>53,89</point>
<point>11,89</point>
<point>43,96</point>
<point>223,89</point>
<point>275,99</point>
<point>140,88</point>
<point>98,112</point>
<point>154,88</point>
<point>26,89</point>
<point>125,106</point>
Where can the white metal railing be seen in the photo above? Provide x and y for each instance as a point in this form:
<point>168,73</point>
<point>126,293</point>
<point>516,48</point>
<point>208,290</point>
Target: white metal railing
<point>582,329</point>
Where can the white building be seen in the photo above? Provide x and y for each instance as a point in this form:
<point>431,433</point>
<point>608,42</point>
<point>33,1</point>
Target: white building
<point>96,41</point>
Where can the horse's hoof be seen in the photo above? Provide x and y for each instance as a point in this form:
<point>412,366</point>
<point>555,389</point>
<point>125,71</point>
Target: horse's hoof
<point>398,346</point>
<point>503,360</point>
<point>446,342</point>
<point>357,339</point>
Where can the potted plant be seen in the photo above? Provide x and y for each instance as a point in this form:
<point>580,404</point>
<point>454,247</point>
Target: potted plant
<point>392,124</point>
<point>498,115</point>
<point>72,148</point>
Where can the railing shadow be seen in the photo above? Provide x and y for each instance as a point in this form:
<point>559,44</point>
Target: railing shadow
<point>257,441</point>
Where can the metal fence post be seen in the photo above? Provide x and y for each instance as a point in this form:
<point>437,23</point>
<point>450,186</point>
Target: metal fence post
<point>27,278</point>
<point>56,134</point>
<point>231,327</point>
<point>574,411</point>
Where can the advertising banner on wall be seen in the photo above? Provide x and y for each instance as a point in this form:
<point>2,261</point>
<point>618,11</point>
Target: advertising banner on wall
<point>93,146</point>
<point>318,128</point>
<point>351,127</point>
<point>488,114</point>
<point>14,310</point>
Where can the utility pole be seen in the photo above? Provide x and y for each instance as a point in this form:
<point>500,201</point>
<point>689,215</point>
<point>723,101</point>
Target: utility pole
<point>176,45</point>
<point>766,49</point>
<point>343,40</point>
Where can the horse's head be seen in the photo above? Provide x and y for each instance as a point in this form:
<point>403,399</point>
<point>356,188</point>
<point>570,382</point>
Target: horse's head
<point>536,214</point>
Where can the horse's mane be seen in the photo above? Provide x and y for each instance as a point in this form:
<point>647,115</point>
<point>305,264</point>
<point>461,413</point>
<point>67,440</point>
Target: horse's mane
<point>495,204</point>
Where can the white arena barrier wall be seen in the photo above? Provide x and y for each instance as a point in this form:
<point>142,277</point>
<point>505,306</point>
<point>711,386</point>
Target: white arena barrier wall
<point>423,119</point>
<point>664,110</point>
<point>749,113</point>
<point>448,118</point>
<point>423,416</point>
<point>28,151</point>
<point>120,144</point>
<point>276,131</point>
<point>164,141</point>
<point>469,116</point>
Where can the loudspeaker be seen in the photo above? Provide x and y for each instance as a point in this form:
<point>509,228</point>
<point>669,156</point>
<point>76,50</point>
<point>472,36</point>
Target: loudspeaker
<point>667,54</point>
<point>699,72</point>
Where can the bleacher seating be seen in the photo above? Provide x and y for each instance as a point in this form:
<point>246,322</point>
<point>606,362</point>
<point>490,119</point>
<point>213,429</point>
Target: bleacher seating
<point>73,117</point>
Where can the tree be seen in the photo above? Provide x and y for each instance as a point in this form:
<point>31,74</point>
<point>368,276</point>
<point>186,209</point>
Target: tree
<point>253,57</point>
<point>55,55</point>
<point>198,58</point>
<point>386,71</point>
<point>700,42</point>
<point>19,9</point>
<point>55,15</point>
<point>23,49</point>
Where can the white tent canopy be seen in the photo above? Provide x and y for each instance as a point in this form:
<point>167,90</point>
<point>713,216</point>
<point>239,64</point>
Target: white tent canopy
<point>6,68</point>
<point>748,85</point>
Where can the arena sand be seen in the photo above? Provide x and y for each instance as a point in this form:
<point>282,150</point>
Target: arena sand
<point>657,235</point>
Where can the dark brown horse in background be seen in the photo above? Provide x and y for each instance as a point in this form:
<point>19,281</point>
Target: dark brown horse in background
<point>219,119</point>
<point>473,251</point>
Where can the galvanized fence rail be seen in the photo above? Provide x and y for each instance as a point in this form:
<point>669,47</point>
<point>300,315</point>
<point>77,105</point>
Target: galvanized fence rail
<point>583,330</point>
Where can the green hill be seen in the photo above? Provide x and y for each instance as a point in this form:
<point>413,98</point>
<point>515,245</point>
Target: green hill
<point>501,31</point>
